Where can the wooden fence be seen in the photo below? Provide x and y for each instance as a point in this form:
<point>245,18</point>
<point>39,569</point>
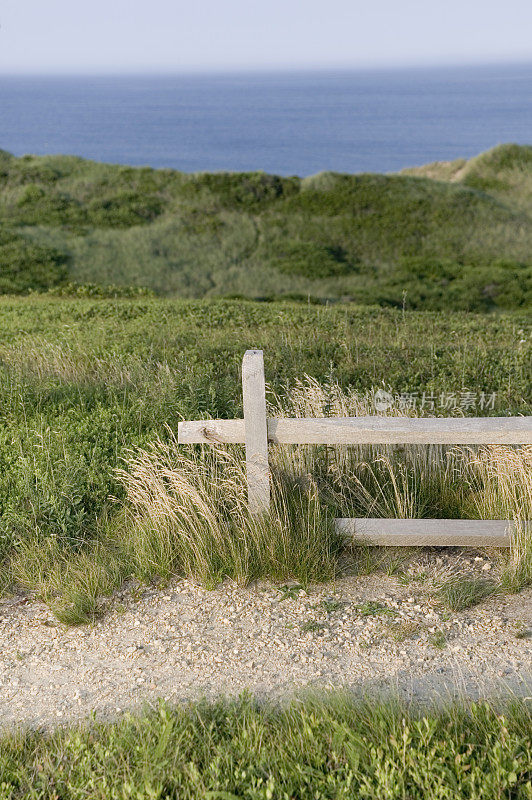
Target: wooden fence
<point>256,430</point>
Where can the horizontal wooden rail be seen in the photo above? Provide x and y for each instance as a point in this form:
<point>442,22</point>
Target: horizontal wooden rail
<point>366,430</point>
<point>428,532</point>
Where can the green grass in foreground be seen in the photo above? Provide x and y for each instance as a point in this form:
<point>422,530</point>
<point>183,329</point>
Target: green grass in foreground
<point>312,750</point>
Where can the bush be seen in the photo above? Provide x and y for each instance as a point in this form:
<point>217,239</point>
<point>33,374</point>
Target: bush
<point>436,284</point>
<point>124,210</point>
<point>310,259</point>
<point>32,169</point>
<point>25,266</point>
<point>35,206</point>
<point>244,190</point>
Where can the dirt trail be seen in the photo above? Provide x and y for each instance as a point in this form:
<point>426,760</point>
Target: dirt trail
<point>369,632</point>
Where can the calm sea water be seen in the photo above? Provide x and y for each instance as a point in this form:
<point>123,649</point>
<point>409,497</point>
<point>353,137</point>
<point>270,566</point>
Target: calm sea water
<point>297,123</point>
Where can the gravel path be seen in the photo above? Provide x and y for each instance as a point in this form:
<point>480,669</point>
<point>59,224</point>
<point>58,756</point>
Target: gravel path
<point>372,632</point>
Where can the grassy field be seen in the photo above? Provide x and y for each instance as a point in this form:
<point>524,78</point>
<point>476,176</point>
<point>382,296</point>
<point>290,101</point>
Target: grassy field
<point>94,489</point>
<point>92,386</point>
<point>316,749</point>
<point>457,236</point>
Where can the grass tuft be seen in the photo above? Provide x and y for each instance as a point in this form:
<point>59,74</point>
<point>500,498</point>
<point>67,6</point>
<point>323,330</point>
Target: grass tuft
<point>371,608</point>
<point>461,592</point>
<point>438,640</point>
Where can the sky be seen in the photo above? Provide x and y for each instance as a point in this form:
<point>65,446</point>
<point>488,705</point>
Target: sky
<point>121,36</point>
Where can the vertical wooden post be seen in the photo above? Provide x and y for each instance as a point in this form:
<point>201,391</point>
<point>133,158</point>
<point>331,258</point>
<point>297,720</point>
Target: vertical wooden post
<point>256,431</point>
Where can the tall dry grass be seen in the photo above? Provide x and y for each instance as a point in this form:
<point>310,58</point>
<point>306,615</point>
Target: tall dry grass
<point>501,488</point>
<point>367,480</point>
<point>188,514</point>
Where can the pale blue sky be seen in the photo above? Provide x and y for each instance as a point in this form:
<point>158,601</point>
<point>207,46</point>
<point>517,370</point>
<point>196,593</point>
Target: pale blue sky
<point>175,36</point>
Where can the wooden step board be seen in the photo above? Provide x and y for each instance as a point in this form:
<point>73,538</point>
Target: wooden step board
<point>428,532</point>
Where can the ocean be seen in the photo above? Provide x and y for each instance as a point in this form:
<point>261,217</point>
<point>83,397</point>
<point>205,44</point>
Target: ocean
<point>296,123</point>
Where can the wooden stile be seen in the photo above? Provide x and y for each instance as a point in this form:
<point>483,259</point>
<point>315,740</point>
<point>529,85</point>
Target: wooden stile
<point>255,431</point>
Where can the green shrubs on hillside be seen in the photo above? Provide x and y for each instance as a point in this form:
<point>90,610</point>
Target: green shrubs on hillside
<point>243,190</point>
<point>35,206</point>
<point>27,169</point>
<point>429,283</point>
<point>309,259</point>
<point>372,239</point>
<point>123,210</point>
<point>25,266</point>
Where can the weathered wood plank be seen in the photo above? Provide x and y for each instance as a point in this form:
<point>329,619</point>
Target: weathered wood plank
<point>368,430</point>
<point>428,532</point>
<point>211,431</point>
<point>256,431</point>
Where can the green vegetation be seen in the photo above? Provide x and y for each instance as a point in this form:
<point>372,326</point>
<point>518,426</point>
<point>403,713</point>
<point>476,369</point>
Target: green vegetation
<point>456,236</point>
<point>438,640</point>
<point>191,516</point>
<point>333,747</point>
<point>93,385</point>
<point>371,608</point>
<point>503,172</point>
<point>96,371</point>
<point>290,592</point>
<point>461,593</point>
<point>25,266</point>
<point>310,626</point>
<point>330,606</point>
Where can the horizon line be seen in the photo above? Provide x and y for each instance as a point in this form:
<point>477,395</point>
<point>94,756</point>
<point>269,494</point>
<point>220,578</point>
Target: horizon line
<point>261,70</point>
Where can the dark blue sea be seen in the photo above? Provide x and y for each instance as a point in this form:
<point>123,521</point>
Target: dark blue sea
<point>287,123</point>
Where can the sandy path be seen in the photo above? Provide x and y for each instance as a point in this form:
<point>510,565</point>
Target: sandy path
<point>185,642</point>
